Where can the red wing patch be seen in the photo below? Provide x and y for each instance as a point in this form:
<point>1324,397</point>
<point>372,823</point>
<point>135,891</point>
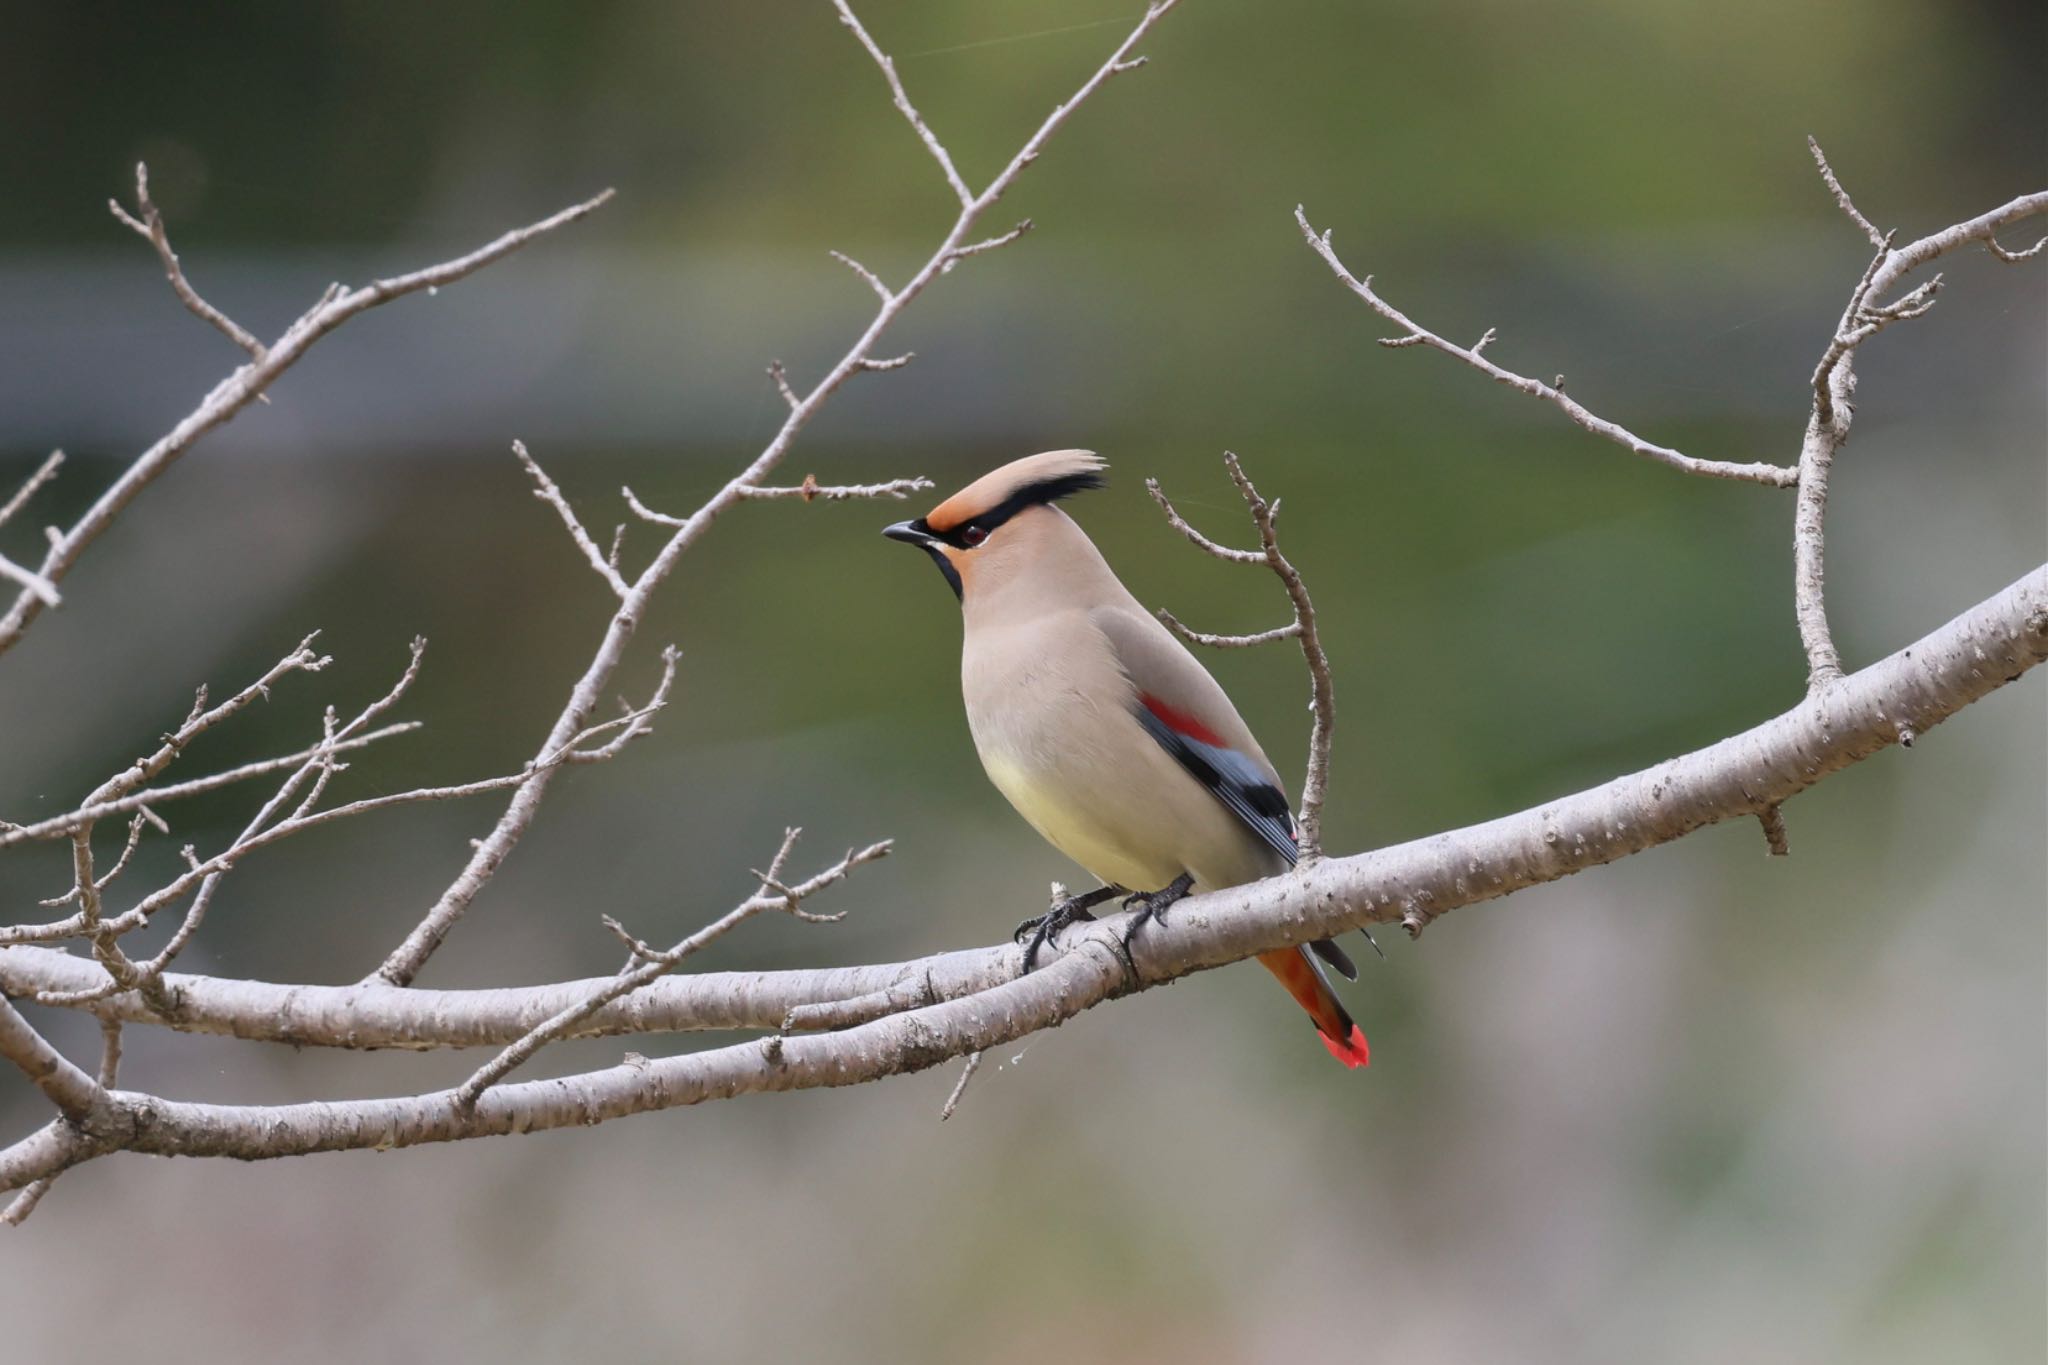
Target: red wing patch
<point>1180,722</point>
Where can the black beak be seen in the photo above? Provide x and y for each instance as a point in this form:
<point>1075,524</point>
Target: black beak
<point>918,534</point>
<point>910,533</point>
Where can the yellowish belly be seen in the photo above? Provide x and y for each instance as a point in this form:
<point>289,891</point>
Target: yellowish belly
<point>1068,826</point>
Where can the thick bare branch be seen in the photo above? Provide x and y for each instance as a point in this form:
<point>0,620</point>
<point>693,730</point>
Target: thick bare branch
<point>1963,661</point>
<point>1740,777</point>
<point>241,388</point>
<point>1415,334</point>
<point>404,962</point>
<point>73,1092</point>
<point>24,1204</point>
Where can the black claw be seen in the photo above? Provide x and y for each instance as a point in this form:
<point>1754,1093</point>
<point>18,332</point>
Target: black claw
<point>1153,905</point>
<point>1042,929</point>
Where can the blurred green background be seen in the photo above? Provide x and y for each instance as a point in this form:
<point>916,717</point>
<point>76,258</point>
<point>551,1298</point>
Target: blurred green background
<point>1700,1106</point>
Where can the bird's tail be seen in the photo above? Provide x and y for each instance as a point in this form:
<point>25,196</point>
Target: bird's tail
<point>1305,981</point>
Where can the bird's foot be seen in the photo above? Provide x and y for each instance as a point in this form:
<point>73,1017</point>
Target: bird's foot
<point>1153,905</point>
<point>1036,933</point>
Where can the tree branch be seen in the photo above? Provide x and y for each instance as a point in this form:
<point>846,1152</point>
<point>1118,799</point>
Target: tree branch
<point>1842,200</point>
<point>404,962</point>
<point>151,228</point>
<point>24,1204</point>
<point>44,472</point>
<point>241,388</point>
<point>1965,660</point>
<point>810,490</point>
<point>1834,387</point>
<point>1322,701</point>
<point>549,493</point>
<point>1911,691</point>
<point>773,895</point>
<point>41,588</point>
<point>73,1092</point>
<point>901,99</point>
<point>1416,334</point>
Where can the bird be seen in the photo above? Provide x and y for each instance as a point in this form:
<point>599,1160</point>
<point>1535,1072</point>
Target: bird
<point>1101,729</point>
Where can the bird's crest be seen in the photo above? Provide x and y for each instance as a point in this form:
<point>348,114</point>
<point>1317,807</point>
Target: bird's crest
<point>1000,494</point>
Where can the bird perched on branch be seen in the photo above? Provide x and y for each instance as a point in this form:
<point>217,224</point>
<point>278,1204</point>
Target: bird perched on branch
<point>1100,727</point>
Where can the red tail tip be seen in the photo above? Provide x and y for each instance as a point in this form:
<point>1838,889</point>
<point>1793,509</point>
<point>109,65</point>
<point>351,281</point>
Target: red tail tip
<point>1353,1051</point>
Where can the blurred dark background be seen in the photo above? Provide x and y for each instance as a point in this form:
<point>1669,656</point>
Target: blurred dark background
<point>1698,1106</point>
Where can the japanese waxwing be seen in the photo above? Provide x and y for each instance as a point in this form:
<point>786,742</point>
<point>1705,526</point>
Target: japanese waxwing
<point>1100,727</point>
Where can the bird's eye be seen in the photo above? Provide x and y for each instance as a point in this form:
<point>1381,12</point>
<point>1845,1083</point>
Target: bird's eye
<point>973,536</point>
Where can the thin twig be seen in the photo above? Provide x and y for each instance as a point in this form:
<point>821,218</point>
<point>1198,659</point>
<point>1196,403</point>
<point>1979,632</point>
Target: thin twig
<point>227,398</point>
<point>901,99</point>
<point>1415,334</point>
<point>780,376</point>
<point>996,243</point>
<point>43,589</point>
<point>810,490</point>
<point>90,922</point>
<point>1990,242</point>
<point>653,964</point>
<point>869,277</point>
<point>549,493</point>
<point>261,833</point>
<point>57,825</point>
<point>1842,200</point>
<point>1203,637</point>
<point>908,994</point>
<point>44,472</point>
<point>1200,541</point>
<point>646,513</point>
<point>960,1086</point>
<point>135,828</point>
<point>1322,701</point>
<point>1772,818</point>
<point>151,228</point>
